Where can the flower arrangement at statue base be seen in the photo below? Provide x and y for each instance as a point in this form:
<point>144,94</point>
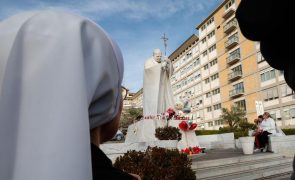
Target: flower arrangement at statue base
<point>192,150</point>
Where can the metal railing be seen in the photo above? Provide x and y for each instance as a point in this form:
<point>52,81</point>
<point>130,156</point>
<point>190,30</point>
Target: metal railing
<point>234,75</point>
<point>230,26</point>
<point>233,40</point>
<point>233,58</point>
<point>236,92</point>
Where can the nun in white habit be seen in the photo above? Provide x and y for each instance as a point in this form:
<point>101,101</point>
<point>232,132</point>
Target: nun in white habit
<point>60,76</point>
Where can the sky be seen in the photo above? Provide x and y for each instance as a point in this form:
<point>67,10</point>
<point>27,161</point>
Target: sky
<point>136,25</point>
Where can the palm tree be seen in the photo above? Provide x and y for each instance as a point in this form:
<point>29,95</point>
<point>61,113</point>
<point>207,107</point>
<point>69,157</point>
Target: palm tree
<point>233,116</point>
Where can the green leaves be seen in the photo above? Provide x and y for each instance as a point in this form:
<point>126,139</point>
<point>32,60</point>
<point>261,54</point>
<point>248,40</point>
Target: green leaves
<point>157,163</point>
<point>168,133</point>
<point>233,116</point>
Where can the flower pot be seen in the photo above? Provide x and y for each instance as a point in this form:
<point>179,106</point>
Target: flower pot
<point>247,144</point>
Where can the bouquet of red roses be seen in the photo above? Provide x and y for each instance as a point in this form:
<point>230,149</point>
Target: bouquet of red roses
<point>170,113</point>
<point>187,125</point>
<point>192,150</point>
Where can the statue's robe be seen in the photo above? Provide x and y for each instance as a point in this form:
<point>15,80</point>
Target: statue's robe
<point>157,91</point>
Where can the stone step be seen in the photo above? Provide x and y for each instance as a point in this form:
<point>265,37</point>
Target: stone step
<point>241,167</point>
<point>218,162</point>
<point>263,173</point>
<point>283,176</point>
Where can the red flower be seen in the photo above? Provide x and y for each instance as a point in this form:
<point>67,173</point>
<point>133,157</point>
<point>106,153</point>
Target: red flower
<point>192,150</point>
<point>193,126</point>
<point>183,125</point>
<point>171,113</point>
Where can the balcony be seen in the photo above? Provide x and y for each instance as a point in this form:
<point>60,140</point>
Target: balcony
<point>236,92</point>
<point>231,42</point>
<point>233,58</point>
<point>227,13</point>
<point>229,27</point>
<point>235,75</point>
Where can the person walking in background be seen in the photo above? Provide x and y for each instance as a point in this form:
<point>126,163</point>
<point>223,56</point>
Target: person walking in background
<point>60,79</point>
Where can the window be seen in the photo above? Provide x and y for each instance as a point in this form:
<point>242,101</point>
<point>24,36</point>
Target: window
<point>197,75</point>
<point>260,58</point>
<point>188,55</point>
<point>208,95</point>
<point>212,48</point>
<point>203,40</point>
<point>217,106</point>
<point>216,91</point>
<point>207,80</point>
<point>206,67</point>
<point>197,62</point>
<point>204,53</point>
<point>289,113</point>
<point>270,94</point>
<point>286,90</point>
<point>211,34</point>
<point>239,86</point>
<point>237,68</point>
<point>241,104</point>
<point>203,27</point>
<point>237,51</point>
<point>219,122</point>
<point>229,4</point>
<point>213,62</point>
<point>276,114</point>
<point>209,109</point>
<point>210,21</point>
<point>210,124</point>
<point>268,75</point>
<point>215,76</point>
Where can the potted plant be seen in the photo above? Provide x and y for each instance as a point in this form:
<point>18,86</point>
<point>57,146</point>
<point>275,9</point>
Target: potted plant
<point>246,140</point>
<point>247,143</point>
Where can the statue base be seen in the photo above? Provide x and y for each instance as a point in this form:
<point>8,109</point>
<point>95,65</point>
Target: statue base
<point>144,131</point>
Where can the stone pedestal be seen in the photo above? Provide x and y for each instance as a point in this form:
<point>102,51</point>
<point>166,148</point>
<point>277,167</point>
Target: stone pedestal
<point>188,139</point>
<point>144,131</point>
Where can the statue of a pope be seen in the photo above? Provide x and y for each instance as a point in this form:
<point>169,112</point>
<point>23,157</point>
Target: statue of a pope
<point>157,91</point>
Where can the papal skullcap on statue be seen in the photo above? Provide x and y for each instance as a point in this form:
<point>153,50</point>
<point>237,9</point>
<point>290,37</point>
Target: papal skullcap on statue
<point>60,75</point>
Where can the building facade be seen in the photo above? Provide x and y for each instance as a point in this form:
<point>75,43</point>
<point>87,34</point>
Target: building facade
<point>137,99</point>
<point>133,100</point>
<point>219,68</point>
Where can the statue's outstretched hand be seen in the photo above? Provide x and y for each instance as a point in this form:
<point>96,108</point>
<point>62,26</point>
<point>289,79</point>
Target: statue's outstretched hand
<point>164,65</point>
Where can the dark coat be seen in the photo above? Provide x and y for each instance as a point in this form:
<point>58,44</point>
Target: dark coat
<point>102,167</point>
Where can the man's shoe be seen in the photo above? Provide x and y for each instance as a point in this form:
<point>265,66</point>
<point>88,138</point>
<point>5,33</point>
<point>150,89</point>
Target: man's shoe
<point>264,149</point>
<point>257,150</point>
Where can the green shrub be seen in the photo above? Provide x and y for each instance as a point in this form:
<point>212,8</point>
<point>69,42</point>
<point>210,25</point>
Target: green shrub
<point>168,133</point>
<point>206,132</point>
<point>238,134</point>
<point>156,163</point>
<point>226,129</point>
<point>289,131</point>
<point>246,126</point>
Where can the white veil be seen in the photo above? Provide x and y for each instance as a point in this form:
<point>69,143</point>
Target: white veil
<point>53,67</point>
